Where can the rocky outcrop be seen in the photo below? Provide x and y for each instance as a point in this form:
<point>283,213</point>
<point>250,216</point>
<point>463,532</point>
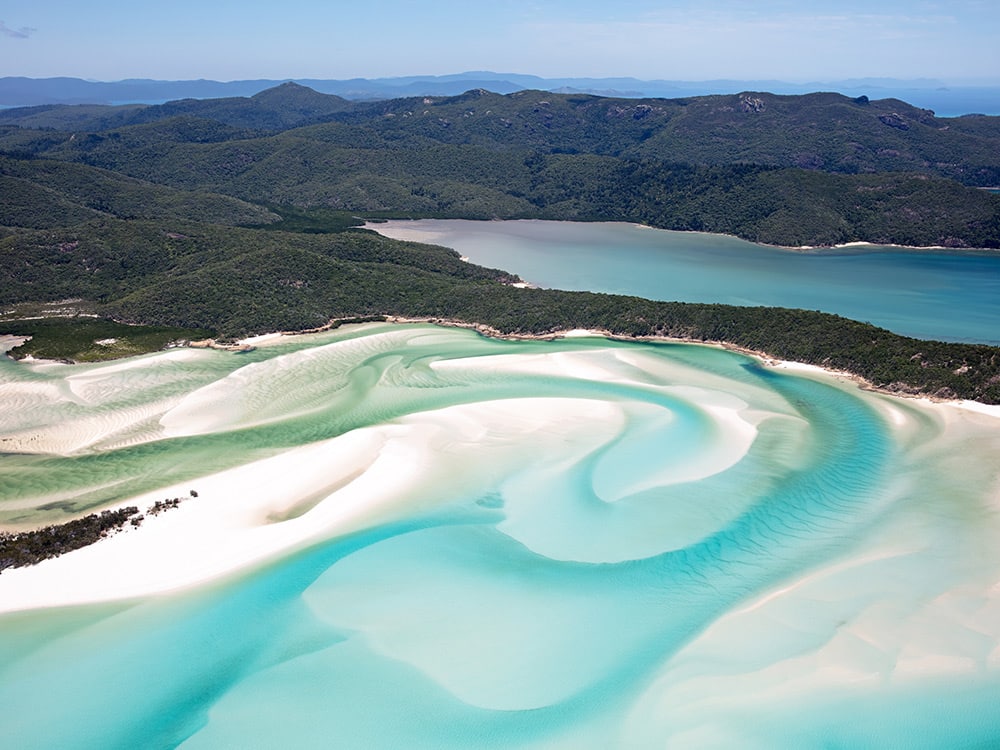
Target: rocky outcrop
<point>749,103</point>
<point>894,120</point>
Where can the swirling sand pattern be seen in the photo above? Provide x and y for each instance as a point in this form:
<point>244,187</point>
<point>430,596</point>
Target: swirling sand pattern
<point>579,543</point>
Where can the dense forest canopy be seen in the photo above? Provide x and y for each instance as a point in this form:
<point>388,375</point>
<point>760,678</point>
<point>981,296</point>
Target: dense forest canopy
<point>235,215</point>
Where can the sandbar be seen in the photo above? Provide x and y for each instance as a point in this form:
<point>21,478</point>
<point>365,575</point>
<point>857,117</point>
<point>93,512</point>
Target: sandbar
<point>250,515</point>
<point>247,516</point>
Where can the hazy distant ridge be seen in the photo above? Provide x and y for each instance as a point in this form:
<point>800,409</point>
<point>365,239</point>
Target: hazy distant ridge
<point>930,94</point>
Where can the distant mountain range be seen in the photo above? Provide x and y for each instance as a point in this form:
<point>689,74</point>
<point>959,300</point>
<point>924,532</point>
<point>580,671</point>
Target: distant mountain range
<point>945,100</point>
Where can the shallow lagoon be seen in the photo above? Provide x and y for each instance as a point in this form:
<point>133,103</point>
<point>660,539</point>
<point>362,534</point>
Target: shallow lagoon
<point>578,543</point>
<point>932,294</point>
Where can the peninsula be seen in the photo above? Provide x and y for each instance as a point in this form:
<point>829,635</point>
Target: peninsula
<point>234,217</point>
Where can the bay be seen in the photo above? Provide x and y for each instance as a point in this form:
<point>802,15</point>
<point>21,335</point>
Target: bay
<point>947,295</point>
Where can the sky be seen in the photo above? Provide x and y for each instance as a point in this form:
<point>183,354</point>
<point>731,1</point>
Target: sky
<point>955,41</point>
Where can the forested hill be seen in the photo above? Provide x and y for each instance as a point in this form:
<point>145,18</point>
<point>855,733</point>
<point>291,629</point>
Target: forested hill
<point>229,214</point>
<point>238,282</point>
<point>819,169</point>
<point>824,131</point>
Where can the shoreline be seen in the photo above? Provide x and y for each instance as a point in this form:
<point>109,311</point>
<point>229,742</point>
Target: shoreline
<point>804,249</point>
<point>250,343</point>
<point>248,516</point>
<point>764,358</point>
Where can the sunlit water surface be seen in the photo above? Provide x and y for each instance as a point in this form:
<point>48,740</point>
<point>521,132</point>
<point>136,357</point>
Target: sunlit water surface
<point>605,544</point>
<point>948,295</point>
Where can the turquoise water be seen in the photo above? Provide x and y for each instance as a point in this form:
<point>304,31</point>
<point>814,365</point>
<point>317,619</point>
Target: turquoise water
<point>600,544</point>
<point>942,295</point>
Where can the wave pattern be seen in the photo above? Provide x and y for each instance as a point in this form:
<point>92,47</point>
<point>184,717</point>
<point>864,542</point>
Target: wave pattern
<point>581,543</point>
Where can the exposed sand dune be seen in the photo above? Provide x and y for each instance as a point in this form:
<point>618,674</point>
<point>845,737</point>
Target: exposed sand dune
<point>247,515</point>
<point>638,545</point>
<point>345,484</point>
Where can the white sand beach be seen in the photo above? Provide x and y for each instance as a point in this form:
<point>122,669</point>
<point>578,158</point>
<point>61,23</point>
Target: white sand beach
<point>248,515</point>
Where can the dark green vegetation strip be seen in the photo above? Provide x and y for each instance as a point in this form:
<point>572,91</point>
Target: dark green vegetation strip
<point>77,339</point>
<point>242,282</point>
<point>888,360</point>
<point>18,549</point>
<point>30,547</point>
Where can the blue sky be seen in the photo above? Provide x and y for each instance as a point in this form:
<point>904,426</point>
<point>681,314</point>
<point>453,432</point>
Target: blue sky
<point>956,41</point>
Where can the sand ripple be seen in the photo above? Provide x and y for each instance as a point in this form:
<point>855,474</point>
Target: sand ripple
<point>580,542</point>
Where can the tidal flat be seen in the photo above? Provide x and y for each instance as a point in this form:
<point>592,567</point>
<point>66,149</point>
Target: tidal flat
<point>414,536</point>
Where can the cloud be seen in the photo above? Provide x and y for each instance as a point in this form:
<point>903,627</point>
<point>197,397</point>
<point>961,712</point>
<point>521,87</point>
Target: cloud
<point>22,33</point>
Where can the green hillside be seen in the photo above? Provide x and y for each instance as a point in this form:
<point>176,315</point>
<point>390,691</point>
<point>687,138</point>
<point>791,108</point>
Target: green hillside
<point>43,193</point>
<point>234,215</point>
<point>819,169</point>
<point>822,131</point>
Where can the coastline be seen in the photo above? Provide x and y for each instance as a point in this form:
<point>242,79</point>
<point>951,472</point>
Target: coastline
<point>246,517</point>
<point>763,357</point>
<point>413,236</point>
<point>249,343</point>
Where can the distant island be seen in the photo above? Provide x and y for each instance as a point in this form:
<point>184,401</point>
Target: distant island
<point>237,216</point>
<point>947,99</point>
